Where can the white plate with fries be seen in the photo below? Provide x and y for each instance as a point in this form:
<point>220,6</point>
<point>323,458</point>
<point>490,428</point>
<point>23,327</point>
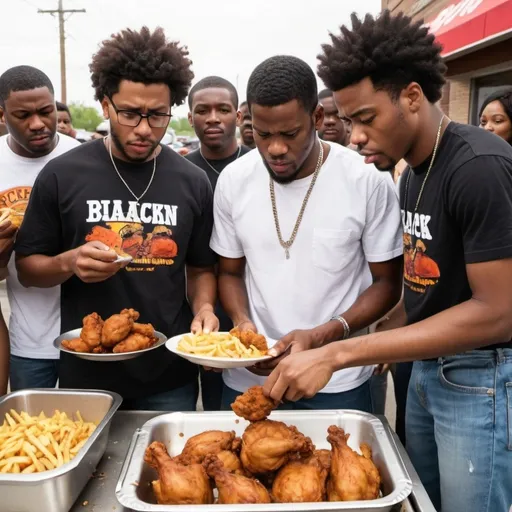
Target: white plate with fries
<point>215,350</point>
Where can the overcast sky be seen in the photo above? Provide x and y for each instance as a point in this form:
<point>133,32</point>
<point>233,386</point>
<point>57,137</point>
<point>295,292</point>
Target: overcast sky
<point>225,37</point>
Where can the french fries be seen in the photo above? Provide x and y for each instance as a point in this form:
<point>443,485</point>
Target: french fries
<point>217,344</point>
<point>32,444</point>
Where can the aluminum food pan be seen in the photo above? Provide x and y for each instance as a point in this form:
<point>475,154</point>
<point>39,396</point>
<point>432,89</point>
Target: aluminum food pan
<point>56,490</point>
<point>134,491</point>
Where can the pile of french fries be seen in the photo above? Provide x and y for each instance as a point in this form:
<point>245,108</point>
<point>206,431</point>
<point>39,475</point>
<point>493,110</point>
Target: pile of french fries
<point>32,444</point>
<point>217,344</point>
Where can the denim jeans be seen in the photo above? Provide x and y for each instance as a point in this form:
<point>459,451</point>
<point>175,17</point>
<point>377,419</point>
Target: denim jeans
<point>358,399</point>
<point>211,389</point>
<point>25,373</point>
<point>459,430</point>
<point>378,389</point>
<point>401,378</point>
<point>182,399</point>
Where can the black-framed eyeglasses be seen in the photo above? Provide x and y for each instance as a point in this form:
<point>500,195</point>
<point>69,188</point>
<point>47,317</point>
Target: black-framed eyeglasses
<point>133,118</point>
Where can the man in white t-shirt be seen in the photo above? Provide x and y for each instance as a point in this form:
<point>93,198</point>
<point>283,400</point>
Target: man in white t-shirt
<point>309,237</point>
<point>27,106</point>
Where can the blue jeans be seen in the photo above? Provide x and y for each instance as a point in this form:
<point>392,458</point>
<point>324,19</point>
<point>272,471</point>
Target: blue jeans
<point>182,399</point>
<point>25,373</point>
<point>378,390</point>
<point>358,398</point>
<point>211,389</point>
<point>459,430</point>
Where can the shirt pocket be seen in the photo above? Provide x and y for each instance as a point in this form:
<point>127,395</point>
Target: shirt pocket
<point>333,248</point>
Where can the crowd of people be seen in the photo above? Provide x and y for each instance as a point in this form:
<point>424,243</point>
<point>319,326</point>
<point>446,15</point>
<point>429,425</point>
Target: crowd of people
<point>298,232</point>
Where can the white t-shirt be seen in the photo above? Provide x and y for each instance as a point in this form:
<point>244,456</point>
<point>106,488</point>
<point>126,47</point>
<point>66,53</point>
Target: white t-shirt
<point>352,218</point>
<point>35,312</point>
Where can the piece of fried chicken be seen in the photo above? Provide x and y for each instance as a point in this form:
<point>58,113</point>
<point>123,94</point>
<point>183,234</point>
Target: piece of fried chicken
<point>267,445</point>
<point>91,330</point>
<point>302,480</point>
<point>253,405</point>
<point>234,488</point>
<point>145,329</point>
<point>353,476</point>
<point>249,338</point>
<point>177,484</point>
<point>76,345</point>
<point>117,327</point>
<point>209,442</point>
<point>133,342</point>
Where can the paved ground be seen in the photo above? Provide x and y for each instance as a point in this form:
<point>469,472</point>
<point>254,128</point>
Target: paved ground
<point>390,401</point>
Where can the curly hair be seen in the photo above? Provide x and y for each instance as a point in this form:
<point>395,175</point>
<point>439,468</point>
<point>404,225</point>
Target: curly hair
<point>145,57</point>
<point>215,82</point>
<point>392,51</point>
<point>22,78</point>
<point>281,79</point>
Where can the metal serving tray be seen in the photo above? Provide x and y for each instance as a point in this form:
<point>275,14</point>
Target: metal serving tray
<point>56,490</point>
<point>134,490</point>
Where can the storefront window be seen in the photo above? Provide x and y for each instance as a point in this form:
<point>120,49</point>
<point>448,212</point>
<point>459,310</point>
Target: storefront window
<point>484,86</point>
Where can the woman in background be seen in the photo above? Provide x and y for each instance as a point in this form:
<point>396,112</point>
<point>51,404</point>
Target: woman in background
<point>496,114</point>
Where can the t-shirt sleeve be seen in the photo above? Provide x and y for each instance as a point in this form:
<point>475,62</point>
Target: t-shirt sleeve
<point>41,230</point>
<point>225,241</point>
<point>382,235</point>
<point>480,201</point>
<point>199,253</point>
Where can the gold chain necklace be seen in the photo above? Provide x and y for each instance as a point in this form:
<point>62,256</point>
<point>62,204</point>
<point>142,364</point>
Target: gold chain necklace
<point>287,244</point>
<point>436,146</point>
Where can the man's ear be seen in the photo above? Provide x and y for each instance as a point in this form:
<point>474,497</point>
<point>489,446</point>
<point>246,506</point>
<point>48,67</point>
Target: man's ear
<point>190,120</point>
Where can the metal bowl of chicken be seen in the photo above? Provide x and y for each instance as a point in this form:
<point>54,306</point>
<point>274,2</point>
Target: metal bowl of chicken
<point>108,357</point>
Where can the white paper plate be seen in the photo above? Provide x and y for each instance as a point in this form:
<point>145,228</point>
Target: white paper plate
<point>214,362</point>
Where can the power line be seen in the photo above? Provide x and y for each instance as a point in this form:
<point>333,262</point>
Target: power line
<point>60,11</point>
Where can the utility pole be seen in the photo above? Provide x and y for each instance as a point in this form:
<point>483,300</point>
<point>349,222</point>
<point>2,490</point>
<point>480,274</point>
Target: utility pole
<point>60,11</point>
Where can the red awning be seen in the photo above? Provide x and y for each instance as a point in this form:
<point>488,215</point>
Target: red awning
<point>467,22</point>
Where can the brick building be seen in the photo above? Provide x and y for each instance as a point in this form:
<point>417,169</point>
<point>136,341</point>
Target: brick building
<point>477,47</point>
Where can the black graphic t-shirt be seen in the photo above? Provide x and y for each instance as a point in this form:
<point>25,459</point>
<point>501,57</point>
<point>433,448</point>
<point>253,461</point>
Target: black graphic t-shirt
<point>79,197</point>
<point>196,158</point>
<point>464,217</point>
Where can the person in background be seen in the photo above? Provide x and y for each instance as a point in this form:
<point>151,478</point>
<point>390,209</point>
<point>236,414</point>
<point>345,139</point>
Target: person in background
<point>64,120</point>
<point>245,126</point>
<point>333,129</point>
<point>27,106</point>
<point>214,115</point>
<point>309,237</point>
<point>387,74</point>
<point>131,193</point>
<point>496,114</point>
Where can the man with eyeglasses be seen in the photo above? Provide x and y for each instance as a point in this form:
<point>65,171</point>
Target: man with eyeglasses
<point>128,195</point>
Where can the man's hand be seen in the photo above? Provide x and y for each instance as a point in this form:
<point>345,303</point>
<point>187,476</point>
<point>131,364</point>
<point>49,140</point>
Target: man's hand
<point>7,232</point>
<point>205,321</point>
<point>94,262</point>
<point>381,369</point>
<point>300,375</point>
<point>294,342</point>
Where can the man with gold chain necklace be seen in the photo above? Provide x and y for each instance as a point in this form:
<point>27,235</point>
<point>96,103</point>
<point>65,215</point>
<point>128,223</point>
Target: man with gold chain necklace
<point>387,76</point>
<point>308,236</point>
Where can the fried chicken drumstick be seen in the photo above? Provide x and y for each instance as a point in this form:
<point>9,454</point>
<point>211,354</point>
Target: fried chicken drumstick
<point>249,338</point>
<point>117,327</point>
<point>234,488</point>
<point>177,484</point>
<point>353,476</point>
<point>253,405</point>
<point>209,442</point>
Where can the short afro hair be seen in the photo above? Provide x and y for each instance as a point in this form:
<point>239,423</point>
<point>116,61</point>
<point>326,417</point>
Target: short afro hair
<point>62,107</point>
<point>22,78</point>
<point>392,51</point>
<point>215,82</point>
<point>281,79</point>
<point>325,93</point>
<point>146,57</point>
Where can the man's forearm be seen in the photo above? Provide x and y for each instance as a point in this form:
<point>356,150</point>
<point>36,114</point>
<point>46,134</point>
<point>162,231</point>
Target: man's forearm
<point>201,288</point>
<point>370,306</point>
<point>233,296</point>
<point>43,271</point>
<point>469,325</point>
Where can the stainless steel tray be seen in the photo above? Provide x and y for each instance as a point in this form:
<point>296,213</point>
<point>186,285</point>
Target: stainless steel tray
<point>104,358</point>
<point>134,491</point>
<point>57,489</point>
